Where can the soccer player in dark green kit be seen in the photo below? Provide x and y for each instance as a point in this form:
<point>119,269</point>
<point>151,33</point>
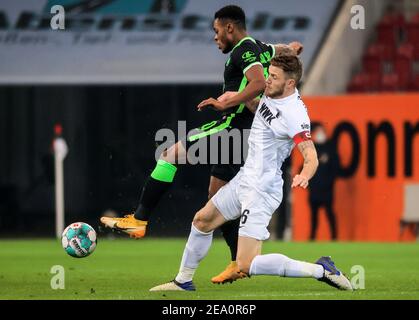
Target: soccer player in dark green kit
<point>244,80</point>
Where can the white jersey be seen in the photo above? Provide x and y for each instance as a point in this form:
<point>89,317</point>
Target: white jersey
<point>278,124</point>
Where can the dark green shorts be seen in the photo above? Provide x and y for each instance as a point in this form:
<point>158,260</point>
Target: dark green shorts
<point>225,164</point>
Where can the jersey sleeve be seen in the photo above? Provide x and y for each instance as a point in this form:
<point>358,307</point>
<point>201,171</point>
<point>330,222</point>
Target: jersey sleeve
<point>267,49</point>
<point>246,56</point>
<point>298,125</point>
<point>272,49</point>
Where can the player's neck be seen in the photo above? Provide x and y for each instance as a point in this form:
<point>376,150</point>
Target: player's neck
<point>239,36</point>
<point>286,94</point>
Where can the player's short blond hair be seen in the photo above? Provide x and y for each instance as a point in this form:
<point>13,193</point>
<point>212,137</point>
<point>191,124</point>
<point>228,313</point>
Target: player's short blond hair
<point>290,64</point>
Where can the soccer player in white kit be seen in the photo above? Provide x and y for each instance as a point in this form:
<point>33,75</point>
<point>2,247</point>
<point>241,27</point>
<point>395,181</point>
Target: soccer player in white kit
<point>281,122</point>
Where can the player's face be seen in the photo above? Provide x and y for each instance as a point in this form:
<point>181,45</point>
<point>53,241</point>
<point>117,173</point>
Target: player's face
<point>221,36</point>
<point>276,83</point>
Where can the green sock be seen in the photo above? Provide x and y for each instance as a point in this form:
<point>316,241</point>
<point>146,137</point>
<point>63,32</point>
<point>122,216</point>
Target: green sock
<point>154,188</point>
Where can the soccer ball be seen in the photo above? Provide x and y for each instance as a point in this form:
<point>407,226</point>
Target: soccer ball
<point>79,240</point>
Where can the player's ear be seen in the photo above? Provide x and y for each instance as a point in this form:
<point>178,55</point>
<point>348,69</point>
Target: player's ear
<point>291,82</point>
<point>229,27</point>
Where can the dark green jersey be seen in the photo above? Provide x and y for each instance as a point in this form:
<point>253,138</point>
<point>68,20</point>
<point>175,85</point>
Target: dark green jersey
<point>247,53</point>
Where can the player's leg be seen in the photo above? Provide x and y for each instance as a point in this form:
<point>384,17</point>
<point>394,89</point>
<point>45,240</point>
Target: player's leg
<point>256,215</point>
<point>230,229</point>
<point>230,232</point>
<point>222,207</point>
<point>255,219</point>
<point>154,188</point>
<point>251,262</point>
<point>280,265</point>
<point>160,180</point>
<point>331,217</point>
<point>314,208</point>
<point>199,241</point>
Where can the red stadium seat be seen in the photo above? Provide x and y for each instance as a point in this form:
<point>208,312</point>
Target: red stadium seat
<point>415,18</point>
<point>390,82</point>
<point>373,59</point>
<point>388,66</point>
<point>364,82</point>
<point>372,64</point>
<point>376,56</point>
<point>413,36</point>
<point>403,64</point>
<point>406,50</point>
<point>388,52</point>
<point>359,83</point>
<point>395,19</point>
<point>374,81</point>
<point>413,32</point>
<point>389,29</point>
<point>414,84</point>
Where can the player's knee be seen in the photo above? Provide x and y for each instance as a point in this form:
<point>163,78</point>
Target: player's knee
<point>163,155</point>
<point>201,222</point>
<point>210,194</point>
<point>168,156</point>
<point>212,190</point>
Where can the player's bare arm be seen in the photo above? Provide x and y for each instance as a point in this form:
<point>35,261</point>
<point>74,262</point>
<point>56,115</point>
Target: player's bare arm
<point>252,105</point>
<point>256,85</point>
<point>311,163</point>
<point>295,48</point>
<point>227,95</point>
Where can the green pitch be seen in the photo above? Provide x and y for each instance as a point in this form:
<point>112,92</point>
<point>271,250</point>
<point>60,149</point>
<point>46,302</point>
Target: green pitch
<point>126,269</point>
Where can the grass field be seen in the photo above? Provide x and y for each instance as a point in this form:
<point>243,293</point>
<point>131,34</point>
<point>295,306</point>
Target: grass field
<point>126,269</point>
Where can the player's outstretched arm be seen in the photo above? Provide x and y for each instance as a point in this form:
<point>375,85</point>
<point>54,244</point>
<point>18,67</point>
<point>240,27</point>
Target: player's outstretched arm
<point>293,48</point>
<point>256,85</point>
<point>252,105</point>
<point>308,150</point>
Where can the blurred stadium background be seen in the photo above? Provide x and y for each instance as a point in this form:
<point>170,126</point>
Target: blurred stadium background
<point>123,69</point>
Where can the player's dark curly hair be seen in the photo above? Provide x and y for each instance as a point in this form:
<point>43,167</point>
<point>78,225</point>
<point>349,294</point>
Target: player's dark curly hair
<point>233,13</point>
<point>291,65</point>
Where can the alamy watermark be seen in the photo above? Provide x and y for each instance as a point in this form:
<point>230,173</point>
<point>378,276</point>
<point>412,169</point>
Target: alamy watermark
<point>358,17</point>
<point>58,20</point>
<point>58,278</point>
<point>358,279</point>
<point>211,144</point>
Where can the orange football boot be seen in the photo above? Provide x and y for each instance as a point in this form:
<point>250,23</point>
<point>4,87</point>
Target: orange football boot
<point>128,224</point>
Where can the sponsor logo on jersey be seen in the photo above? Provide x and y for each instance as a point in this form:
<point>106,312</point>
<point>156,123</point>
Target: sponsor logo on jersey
<point>305,126</point>
<point>267,114</point>
<point>249,56</point>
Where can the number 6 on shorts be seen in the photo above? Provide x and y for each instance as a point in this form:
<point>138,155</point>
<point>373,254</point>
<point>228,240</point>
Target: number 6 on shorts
<point>244,216</point>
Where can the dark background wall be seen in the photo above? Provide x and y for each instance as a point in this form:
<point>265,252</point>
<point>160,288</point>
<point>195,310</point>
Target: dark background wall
<point>110,131</point>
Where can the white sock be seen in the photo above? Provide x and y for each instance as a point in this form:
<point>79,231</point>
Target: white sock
<point>195,250</point>
<point>278,264</point>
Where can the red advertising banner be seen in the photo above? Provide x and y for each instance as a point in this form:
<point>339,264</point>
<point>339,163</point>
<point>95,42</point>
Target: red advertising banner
<point>377,139</point>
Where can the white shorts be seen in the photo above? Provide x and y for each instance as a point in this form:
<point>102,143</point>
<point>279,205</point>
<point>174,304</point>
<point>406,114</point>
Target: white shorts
<point>255,208</point>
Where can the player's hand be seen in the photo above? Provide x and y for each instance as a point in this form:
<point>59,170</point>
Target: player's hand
<point>299,181</point>
<point>227,95</point>
<point>211,102</point>
<point>296,47</point>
